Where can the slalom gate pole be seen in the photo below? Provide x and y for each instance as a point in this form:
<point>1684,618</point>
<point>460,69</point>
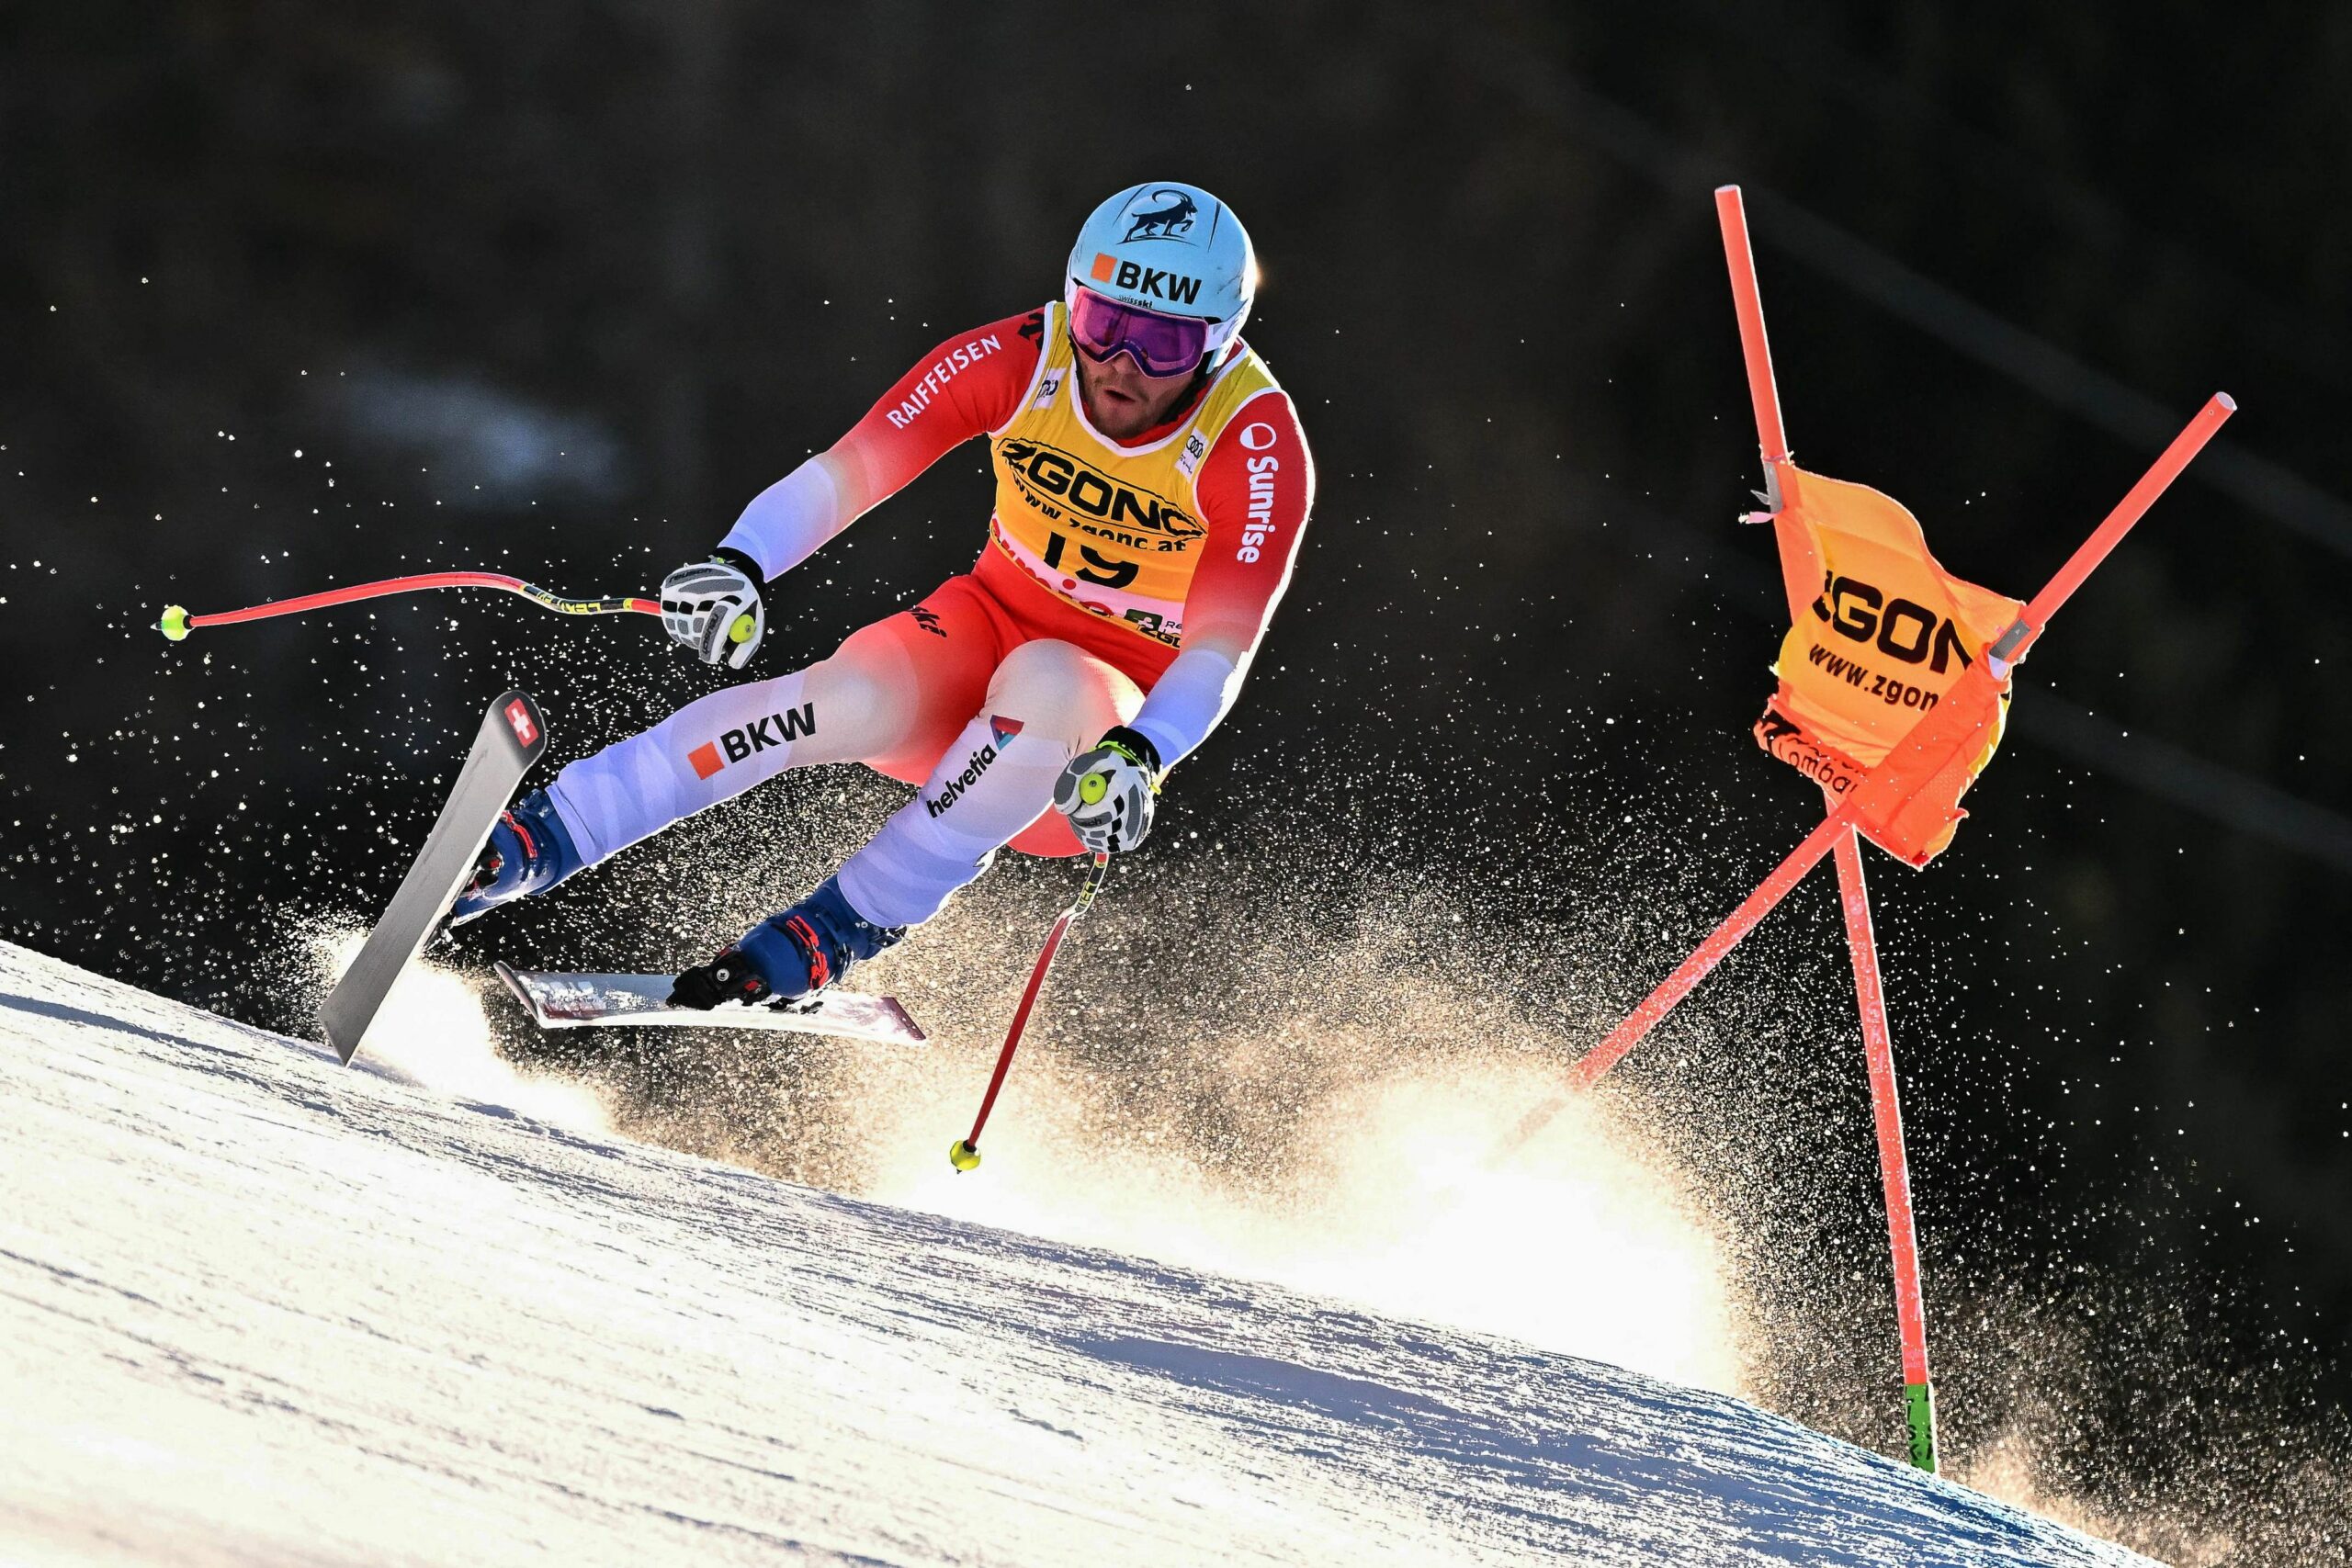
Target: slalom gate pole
<point>176,622</point>
<point>1714,949</point>
<point>1940,737</point>
<point>2011,645</point>
<point>965,1153</point>
<point>1894,1167</point>
<point>1935,742</point>
<point>1588,1069</point>
<point>1755,348</point>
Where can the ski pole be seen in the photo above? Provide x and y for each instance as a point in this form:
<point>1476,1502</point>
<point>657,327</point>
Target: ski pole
<point>965,1153</point>
<point>177,623</point>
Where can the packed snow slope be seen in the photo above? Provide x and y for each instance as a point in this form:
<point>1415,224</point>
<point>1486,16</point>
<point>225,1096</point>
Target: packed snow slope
<point>259,1308</point>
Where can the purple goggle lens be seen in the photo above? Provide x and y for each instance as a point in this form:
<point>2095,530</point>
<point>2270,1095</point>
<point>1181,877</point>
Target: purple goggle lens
<point>1162,345</point>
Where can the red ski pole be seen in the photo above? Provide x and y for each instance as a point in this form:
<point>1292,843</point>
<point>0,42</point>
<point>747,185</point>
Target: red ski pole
<point>177,623</point>
<point>965,1153</point>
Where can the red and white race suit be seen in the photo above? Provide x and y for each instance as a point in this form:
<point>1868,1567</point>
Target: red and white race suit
<point>1121,582</point>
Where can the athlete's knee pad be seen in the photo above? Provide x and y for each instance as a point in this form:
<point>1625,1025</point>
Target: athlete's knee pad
<point>1059,690</point>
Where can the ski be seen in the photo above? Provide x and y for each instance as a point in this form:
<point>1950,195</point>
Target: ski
<point>580,1001</point>
<point>510,738</point>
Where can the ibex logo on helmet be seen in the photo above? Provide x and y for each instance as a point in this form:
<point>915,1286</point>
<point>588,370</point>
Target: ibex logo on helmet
<point>1167,222</point>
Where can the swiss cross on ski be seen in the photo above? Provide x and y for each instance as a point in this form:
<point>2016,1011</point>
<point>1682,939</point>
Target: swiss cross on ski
<point>1151,488</point>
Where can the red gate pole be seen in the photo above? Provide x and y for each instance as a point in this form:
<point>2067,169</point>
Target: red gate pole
<point>2011,645</point>
<point>1755,348</point>
<point>1931,738</point>
<point>1894,1167</point>
<point>1711,952</point>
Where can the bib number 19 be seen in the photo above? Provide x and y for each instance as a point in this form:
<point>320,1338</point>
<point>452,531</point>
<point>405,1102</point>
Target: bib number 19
<point>1096,569</point>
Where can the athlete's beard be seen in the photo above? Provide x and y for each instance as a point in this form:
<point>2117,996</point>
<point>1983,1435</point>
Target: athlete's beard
<point>1122,402</point>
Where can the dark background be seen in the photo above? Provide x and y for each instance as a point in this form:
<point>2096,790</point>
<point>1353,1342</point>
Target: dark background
<point>300,296</point>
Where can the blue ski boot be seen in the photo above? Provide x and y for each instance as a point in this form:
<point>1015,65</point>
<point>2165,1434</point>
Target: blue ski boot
<point>530,851</point>
<point>790,955</point>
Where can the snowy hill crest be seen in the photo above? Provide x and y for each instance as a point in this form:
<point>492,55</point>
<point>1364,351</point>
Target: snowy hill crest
<point>262,1309</point>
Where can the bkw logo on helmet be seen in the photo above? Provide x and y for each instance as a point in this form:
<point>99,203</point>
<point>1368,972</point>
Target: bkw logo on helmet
<point>1172,286</point>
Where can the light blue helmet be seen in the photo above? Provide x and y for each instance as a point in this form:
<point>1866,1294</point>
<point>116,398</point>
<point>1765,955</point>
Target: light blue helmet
<point>1173,248</point>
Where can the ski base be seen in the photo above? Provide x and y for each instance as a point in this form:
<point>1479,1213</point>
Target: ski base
<point>559,1000</point>
<point>510,738</point>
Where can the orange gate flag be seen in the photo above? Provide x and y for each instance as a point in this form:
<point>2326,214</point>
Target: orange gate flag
<point>1881,636</point>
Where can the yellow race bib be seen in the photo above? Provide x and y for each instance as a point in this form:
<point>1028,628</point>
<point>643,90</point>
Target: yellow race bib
<point>1113,530</point>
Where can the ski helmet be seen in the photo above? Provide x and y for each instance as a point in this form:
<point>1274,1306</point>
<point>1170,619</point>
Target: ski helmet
<point>1171,249</point>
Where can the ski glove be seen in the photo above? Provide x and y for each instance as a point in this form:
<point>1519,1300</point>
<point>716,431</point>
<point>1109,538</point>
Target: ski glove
<point>713,607</point>
<point>730,978</point>
<point>1106,793</point>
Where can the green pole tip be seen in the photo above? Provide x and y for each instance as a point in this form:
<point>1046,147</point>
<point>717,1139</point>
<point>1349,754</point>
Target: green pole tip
<point>741,630</point>
<point>1920,1402</point>
<point>175,622</point>
<point>963,1155</point>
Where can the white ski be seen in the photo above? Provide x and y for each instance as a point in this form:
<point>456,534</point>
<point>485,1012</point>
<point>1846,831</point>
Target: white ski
<point>510,738</point>
<point>580,1001</point>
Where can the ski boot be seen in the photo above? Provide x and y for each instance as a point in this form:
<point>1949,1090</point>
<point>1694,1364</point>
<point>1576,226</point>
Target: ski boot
<point>530,851</point>
<point>788,956</point>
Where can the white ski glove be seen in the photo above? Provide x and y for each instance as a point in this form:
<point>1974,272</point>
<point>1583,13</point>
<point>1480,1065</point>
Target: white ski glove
<point>713,607</point>
<point>1106,793</point>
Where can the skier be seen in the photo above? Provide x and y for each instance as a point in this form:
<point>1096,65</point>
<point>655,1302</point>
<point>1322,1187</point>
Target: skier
<point>1151,486</point>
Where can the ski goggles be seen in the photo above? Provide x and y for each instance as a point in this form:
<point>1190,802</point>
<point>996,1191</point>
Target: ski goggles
<point>1160,344</point>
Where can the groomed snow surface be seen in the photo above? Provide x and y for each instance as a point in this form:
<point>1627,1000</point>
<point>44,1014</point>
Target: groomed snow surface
<point>259,1308</point>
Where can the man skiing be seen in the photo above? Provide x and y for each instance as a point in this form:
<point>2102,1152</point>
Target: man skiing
<point>1151,486</point>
